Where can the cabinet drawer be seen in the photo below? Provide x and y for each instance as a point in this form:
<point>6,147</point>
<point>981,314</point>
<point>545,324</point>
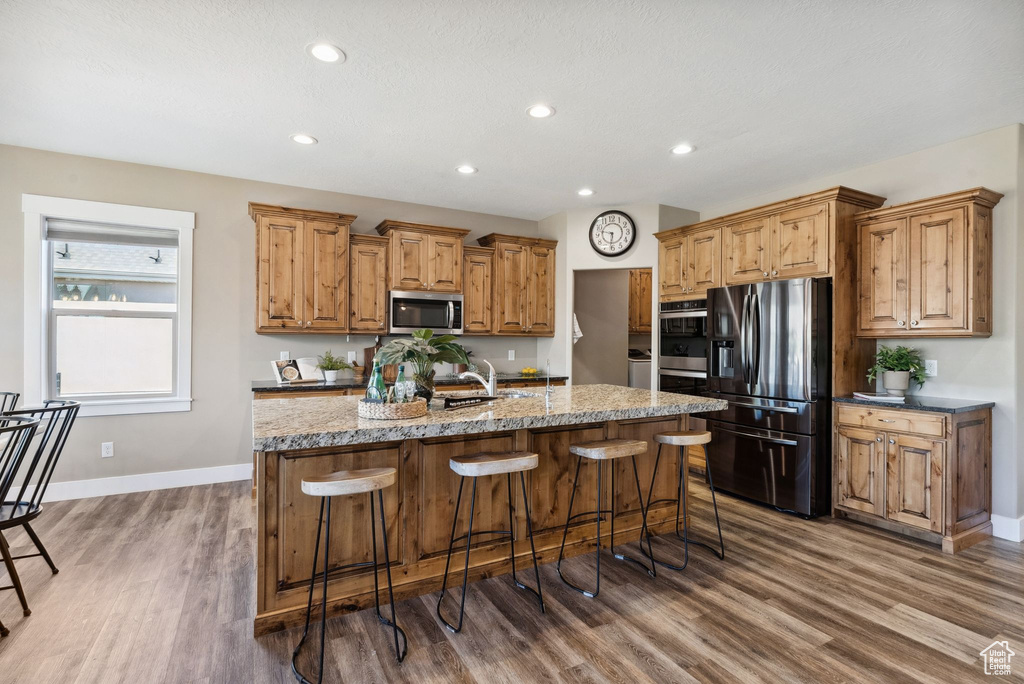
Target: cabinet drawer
<point>894,421</point>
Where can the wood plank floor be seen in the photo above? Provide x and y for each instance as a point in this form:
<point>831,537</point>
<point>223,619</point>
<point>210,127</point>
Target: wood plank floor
<point>159,587</point>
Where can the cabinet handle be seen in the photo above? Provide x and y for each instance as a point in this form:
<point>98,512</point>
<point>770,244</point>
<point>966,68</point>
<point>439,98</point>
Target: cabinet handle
<point>309,323</point>
<point>892,441</point>
<point>878,439</point>
<point>913,322</point>
<point>775,273</point>
<point>886,420</point>
<point>766,274</point>
<point>899,323</point>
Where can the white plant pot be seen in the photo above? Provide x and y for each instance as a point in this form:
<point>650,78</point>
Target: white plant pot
<point>896,382</point>
<point>330,376</point>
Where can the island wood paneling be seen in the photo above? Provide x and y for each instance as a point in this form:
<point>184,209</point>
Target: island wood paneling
<point>419,511</point>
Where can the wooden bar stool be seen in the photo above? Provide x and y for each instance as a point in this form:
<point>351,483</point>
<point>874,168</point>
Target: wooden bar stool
<point>477,466</point>
<point>683,439</point>
<point>345,483</point>
<point>601,451</point>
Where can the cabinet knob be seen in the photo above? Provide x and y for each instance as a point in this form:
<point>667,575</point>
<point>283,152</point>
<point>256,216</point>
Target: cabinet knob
<point>775,273</point>
<point>766,274</point>
<point>892,441</point>
<point>309,323</point>
<point>899,323</point>
<point>913,322</point>
<point>878,439</point>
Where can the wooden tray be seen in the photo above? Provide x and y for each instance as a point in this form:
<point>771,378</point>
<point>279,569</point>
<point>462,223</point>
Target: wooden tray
<point>412,409</point>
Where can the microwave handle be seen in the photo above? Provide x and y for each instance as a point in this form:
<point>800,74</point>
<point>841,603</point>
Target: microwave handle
<point>451,314</point>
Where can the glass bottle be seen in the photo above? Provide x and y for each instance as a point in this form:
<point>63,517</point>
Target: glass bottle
<point>400,386</point>
<point>375,389</point>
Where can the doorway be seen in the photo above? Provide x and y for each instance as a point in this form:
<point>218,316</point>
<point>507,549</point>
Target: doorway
<point>615,346</point>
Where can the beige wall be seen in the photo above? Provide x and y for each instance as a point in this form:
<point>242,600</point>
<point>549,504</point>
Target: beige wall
<point>227,354</point>
<point>986,369</point>
<point>602,309</point>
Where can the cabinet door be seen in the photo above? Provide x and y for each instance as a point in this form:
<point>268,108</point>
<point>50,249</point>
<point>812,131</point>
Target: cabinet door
<point>633,300</point>
<point>409,260</point>
<point>540,291</point>
<point>938,271</point>
<point>860,470</point>
<point>279,292</point>
<point>800,242</point>
<point>704,250</point>
<point>477,313</point>
<point>326,290</point>
<point>883,276</point>
<point>672,268</point>
<point>511,263</point>
<point>368,287</point>
<point>914,481</point>
<point>444,265</point>
<point>745,251</point>
<point>640,316</point>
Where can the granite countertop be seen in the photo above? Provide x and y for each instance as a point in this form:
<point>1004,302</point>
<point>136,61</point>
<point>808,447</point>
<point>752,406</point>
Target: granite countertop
<point>349,383</point>
<point>292,423</point>
<point>916,403</point>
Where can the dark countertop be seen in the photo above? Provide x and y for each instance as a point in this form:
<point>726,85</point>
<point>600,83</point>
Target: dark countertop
<point>917,403</point>
<point>349,383</point>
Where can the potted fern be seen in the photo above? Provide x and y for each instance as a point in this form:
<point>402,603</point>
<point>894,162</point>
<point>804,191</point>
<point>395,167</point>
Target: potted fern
<point>330,365</point>
<point>423,351</point>
<point>897,366</point>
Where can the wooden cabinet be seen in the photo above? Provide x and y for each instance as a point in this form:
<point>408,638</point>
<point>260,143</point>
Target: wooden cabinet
<point>302,267</point>
<point>524,285</point>
<point>424,257</point>
<point>368,277</point>
<point>640,312</point>
<point>923,474</point>
<point>672,268</point>
<point>800,242</point>
<point>689,263</point>
<point>478,286</point>
<point>746,251</point>
<point>926,267</point>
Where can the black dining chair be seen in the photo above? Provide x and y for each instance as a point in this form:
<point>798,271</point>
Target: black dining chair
<point>16,433</point>
<point>22,504</point>
<point>8,400</point>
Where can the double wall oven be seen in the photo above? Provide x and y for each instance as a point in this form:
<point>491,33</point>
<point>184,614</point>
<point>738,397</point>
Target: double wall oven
<point>683,338</point>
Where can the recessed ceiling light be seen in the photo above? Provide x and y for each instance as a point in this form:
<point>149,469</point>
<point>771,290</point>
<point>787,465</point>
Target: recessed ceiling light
<point>466,169</point>
<point>326,52</point>
<point>540,111</point>
<point>304,139</point>
<point>682,148</point>
<point>584,192</point>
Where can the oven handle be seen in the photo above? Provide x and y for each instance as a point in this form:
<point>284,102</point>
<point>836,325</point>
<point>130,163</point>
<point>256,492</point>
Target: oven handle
<point>692,313</point>
<point>682,373</point>
<point>777,409</point>
<point>784,442</point>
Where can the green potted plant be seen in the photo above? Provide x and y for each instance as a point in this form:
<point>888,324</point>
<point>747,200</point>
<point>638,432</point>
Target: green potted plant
<point>423,351</point>
<point>330,365</point>
<point>897,367</point>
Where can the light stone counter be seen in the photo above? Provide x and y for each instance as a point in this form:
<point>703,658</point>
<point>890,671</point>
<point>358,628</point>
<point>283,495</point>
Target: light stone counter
<point>296,423</point>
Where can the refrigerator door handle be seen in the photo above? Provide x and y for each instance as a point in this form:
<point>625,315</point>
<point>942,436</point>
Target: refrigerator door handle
<point>759,407</point>
<point>744,337</point>
<point>770,440</point>
<point>755,363</point>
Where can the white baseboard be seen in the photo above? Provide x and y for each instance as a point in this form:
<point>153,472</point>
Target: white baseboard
<point>1005,527</point>
<point>126,484</point>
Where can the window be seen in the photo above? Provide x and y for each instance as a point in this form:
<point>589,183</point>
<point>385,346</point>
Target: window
<point>115,288</point>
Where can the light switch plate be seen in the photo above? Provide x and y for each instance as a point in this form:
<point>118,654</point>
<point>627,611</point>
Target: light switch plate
<point>351,357</point>
<point>931,367</point>
<point>284,356</point>
<point>511,354</point>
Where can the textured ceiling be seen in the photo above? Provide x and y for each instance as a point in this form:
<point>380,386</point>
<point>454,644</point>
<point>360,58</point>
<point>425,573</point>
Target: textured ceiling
<point>771,93</point>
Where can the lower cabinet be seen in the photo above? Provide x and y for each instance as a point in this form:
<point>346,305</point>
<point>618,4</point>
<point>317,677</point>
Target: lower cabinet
<point>926,475</point>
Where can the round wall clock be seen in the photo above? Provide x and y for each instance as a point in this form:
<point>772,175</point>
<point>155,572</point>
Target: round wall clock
<point>612,233</point>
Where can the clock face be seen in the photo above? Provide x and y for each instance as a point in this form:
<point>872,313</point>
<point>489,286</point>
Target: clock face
<point>612,233</point>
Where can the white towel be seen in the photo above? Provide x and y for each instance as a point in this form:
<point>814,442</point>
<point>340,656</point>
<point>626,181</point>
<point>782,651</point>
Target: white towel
<point>576,332</point>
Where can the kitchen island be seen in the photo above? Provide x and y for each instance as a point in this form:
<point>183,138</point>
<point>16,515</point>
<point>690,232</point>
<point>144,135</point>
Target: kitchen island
<point>298,437</point>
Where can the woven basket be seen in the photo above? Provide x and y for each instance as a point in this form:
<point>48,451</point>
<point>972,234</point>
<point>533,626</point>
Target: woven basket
<point>412,409</point>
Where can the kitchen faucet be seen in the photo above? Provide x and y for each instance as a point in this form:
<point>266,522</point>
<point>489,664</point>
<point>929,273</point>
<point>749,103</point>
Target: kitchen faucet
<point>490,384</point>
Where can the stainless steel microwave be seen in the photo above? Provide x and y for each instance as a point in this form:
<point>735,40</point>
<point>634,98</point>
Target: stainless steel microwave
<point>410,311</point>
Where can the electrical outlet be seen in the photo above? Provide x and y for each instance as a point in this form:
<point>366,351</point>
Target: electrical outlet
<point>351,357</point>
<point>107,450</point>
<point>931,367</point>
<point>511,354</point>
<point>284,356</point>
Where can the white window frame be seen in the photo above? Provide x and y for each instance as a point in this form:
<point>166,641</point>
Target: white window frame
<point>38,364</point>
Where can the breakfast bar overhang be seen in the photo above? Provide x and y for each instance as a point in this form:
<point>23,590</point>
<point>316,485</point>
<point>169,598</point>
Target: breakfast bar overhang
<point>303,437</point>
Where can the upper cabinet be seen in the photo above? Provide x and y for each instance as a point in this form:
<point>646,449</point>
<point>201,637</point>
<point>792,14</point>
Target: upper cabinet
<point>302,266</point>
<point>640,313</point>
<point>690,262</point>
<point>368,268</point>
<point>524,285</point>
<point>478,290</point>
<point>424,257</point>
<point>925,267</point>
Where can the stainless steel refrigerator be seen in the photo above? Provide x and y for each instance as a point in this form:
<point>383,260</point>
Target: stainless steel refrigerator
<point>769,357</point>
